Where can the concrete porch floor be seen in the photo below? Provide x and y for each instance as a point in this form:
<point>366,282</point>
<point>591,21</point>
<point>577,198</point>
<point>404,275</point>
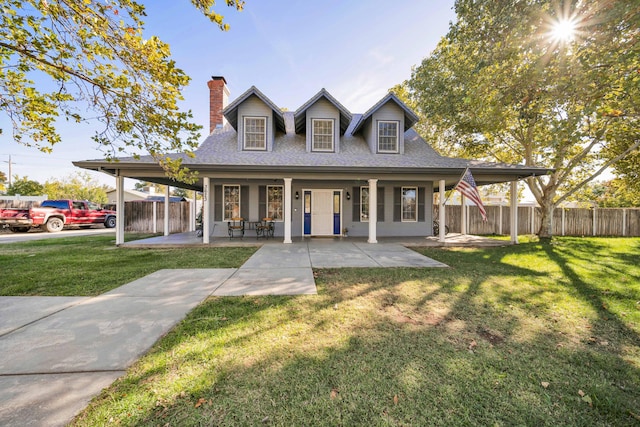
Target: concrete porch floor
<point>190,239</point>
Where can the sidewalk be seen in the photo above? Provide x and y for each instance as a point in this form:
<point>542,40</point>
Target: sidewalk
<point>57,353</point>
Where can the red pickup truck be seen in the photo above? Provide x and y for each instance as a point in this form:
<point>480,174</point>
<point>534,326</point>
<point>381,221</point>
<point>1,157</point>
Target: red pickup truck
<point>54,215</point>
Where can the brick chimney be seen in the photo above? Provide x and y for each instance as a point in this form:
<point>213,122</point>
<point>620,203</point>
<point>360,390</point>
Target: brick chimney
<point>218,99</point>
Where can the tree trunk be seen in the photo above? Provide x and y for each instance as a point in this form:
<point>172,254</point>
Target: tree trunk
<point>546,223</point>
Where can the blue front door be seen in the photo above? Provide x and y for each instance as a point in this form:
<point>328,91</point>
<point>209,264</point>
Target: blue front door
<point>322,213</point>
<point>307,213</point>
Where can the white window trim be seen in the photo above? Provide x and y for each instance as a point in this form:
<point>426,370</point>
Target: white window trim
<point>397,122</point>
<point>362,204</point>
<point>267,207</point>
<point>224,211</point>
<point>244,133</point>
<point>402,204</point>
<point>333,136</point>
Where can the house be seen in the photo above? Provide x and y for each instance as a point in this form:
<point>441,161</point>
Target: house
<point>318,170</point>
<point>141,196</point>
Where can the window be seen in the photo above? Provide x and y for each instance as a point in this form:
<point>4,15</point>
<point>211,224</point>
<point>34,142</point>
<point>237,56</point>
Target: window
<point>255,133</point>
<point>231,200</point>
<point>275,202</point>
<point>58,204</point>
<point>388,137</point>
<point>364,204</point>
<point>322,135</point>
<point>409,204</point>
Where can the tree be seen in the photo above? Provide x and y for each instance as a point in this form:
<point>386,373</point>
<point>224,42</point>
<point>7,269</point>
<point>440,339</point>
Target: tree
<point>506,84</point>
<point>627,170</point>
<point>144,185</point>
<point>25,187</point>
<point>3,178</point>
<point>182,192</point>
<point>92,62</point>
<point>609,194</point>
<point>78,186</point>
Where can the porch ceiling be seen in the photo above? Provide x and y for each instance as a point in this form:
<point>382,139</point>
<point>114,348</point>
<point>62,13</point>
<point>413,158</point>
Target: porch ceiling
<point>153,173</point>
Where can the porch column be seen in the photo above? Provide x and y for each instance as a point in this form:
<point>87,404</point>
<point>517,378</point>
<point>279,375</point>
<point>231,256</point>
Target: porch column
<point>514,212</point>
<point>287,210</point>
<point>463,214</point>
<point>154,227</point>
<point>166,210</point>
<point>206,209</point>
<point>192,213</point>
<point>441,211</point>
<point>119,208</point>
<point>373,210</point>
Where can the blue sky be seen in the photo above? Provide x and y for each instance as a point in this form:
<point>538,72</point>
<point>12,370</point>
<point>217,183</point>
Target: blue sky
<point>289,50</point>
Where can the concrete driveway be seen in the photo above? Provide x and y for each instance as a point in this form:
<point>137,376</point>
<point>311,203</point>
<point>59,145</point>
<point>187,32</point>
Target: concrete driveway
<point>9,237</point>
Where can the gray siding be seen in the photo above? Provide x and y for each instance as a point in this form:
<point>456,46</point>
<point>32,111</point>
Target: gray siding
<point>323,109</point>
<point>369,136</point>
<point>388,112</point>
<point>254,107</point>
<point>386,228</point>
<point>389,228</point>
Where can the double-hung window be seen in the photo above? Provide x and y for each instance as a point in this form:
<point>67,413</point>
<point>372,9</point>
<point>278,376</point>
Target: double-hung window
<point>255,133</point>
<point>409,204</point>
<point>364,204</point>
<point>231,201</point>
<point>275,202</point>
<point>322,138</point>
<point>388,136</point>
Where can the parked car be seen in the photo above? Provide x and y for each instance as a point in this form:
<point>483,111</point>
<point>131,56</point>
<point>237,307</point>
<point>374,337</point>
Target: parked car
<point>54,215</point>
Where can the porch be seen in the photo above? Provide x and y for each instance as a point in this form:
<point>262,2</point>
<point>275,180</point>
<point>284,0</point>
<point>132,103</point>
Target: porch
<point>190,239</point>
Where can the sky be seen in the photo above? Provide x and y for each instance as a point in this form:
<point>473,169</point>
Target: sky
<point>289,50</point>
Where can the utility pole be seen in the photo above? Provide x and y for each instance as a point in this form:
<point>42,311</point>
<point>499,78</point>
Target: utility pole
<point>9,169</point>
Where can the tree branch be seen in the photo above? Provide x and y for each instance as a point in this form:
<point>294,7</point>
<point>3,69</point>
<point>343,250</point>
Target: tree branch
<point>598,172</point>
<point>58,67</point>
<point>573,162</point>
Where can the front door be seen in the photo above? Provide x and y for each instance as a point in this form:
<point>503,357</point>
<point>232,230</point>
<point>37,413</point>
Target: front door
<point>322,213</point>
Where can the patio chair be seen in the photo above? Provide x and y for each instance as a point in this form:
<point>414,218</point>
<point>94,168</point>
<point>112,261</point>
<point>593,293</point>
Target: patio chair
<point>236,227</point>
<point>265,228</point>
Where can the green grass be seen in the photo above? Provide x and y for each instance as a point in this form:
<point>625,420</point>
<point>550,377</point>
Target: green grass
<point>89,266</point>
<point>538,334</point>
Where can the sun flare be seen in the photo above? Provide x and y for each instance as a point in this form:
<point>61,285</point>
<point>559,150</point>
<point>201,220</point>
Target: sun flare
<point>564,30</point>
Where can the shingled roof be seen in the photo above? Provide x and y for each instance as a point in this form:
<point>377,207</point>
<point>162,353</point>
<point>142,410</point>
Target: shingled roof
<point>410,118</point>
<point>231,111</point>
<point>300,116</point>
<point>219,152</point>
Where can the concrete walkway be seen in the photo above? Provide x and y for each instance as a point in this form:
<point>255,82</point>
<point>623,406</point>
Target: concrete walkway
<point>57,353</point>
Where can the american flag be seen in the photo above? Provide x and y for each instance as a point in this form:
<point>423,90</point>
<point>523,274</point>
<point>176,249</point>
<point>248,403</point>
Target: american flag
<point>467,186</point>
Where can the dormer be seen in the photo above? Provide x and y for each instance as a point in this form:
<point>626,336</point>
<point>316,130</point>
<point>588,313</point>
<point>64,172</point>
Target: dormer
<point>256,119</point>
<point>323,119</point>
<point>384,125</point>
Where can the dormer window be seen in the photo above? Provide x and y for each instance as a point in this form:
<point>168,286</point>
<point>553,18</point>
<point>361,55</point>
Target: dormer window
<point>388,136</point>
<point>255,133</point>
<point>322,135</point>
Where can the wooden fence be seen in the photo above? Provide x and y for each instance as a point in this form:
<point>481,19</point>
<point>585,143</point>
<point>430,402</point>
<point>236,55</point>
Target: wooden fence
<point>566,221</point>
<point>148,217</point>
<point>21,202</point>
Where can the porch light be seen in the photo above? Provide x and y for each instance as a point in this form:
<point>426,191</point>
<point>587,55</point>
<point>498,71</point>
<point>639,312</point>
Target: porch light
<point>297,195</point>
<point>348,196</point>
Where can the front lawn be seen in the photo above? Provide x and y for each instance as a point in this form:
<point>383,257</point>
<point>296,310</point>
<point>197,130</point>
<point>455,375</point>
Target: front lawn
<point>537,334</point>
<point>89,266</point>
